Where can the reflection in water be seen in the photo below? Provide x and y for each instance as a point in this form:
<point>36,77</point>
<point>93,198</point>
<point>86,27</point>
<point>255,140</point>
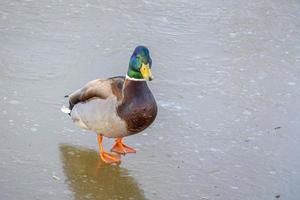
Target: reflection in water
<point>89,178</point>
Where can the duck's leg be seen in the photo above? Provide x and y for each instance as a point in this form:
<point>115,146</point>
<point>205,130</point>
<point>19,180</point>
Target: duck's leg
<point>121,148</point>
<point>106,156</point>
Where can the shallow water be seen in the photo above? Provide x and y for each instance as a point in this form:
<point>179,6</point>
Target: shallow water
<point>226,82</point>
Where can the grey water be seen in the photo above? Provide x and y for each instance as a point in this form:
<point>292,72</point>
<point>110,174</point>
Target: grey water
<point>226,82</point>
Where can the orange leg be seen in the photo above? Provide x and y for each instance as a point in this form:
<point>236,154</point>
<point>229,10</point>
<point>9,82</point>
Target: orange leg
<point>105,156</point>
<point>121,148</point>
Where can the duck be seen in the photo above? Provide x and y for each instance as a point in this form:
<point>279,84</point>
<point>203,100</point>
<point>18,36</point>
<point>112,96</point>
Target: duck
<point>116,107</point>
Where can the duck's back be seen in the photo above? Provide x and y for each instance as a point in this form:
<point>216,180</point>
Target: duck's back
<point>98,89</point>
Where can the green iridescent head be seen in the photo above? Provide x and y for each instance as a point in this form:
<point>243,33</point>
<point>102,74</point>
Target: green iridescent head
<point>140,64</point>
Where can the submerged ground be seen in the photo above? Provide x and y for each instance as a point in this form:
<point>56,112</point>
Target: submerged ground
<point>226,82</point>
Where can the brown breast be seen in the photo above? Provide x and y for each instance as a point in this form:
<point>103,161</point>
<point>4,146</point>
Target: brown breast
<point>138,108</point>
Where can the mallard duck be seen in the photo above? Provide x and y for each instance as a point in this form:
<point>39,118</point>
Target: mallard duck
<point>116,107</point>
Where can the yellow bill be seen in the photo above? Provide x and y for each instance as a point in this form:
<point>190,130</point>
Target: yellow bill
<point>146,73</point>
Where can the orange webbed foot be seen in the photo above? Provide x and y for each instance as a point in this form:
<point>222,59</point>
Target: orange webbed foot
<point>106,156</point>
<point>121,148</point>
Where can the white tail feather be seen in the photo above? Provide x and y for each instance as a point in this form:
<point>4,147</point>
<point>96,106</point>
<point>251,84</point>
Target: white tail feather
<point>66,110</point>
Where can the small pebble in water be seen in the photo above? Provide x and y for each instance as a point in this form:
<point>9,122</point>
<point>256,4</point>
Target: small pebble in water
<point>212,149</point>
<point>272,172</point>
<point>33,129</point>
<point>247,112</point>
<point>232,35</point>
<point>55,177</point>
<point>14,102</point>
<point>71,153</point>
<point>255,147</point>
<point>234,187</point>
<point>277,196</point>
<point>67,192</point>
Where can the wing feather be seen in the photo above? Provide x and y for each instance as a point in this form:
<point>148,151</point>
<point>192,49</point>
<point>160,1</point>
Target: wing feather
<point>98,89</point>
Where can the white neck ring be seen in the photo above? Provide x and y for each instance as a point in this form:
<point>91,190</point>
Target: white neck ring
<point>134,79</point>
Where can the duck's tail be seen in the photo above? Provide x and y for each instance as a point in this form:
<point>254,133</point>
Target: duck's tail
<point>65,109</point>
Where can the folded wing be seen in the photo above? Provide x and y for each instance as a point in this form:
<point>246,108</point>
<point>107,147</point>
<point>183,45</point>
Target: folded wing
<point>98,89</point>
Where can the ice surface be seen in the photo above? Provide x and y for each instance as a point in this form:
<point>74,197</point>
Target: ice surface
<point>226,77</point>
